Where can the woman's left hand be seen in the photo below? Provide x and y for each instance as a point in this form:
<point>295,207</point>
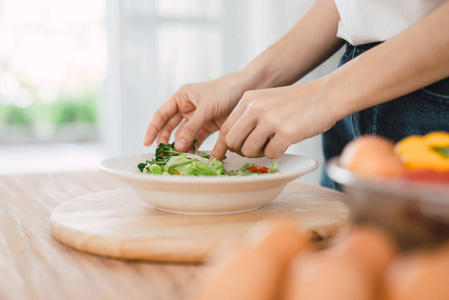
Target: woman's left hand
<point>266,122</point>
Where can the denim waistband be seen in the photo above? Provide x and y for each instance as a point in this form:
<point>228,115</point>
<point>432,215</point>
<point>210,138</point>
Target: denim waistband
<point>353,51</point>
<point>349,46</point>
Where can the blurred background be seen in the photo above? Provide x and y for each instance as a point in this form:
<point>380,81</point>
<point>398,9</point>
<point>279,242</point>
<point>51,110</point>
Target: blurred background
<point>80,80</point>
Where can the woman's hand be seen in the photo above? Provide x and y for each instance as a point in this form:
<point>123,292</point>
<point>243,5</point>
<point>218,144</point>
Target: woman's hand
<point>266,122</point>
<point>204,107</point>
<point>200,108</point>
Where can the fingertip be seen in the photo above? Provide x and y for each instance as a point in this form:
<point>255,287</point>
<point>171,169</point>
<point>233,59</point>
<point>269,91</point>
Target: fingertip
<point>219,151</point>
<point>189,130</point>
<point>147,141</point>
<point>275,148</point>
<point>163,140</point>
<point>149,136</point>
<point>181,144</point>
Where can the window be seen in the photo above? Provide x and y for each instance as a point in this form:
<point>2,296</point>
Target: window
<point>56,55</point>
<point>155,47</point>
<point>52,71</point>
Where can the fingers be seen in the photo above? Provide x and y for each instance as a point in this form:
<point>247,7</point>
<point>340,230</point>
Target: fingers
<point>170,125</point>
<point>202,136</point>
<point>179,129</point>
<point>190,129</point>
<point>220,148</point>
<point>239,132</point>
<point>256,128</point>
<point>236,141</point>
<point>276,146</point>
<point>279,134</point>
<point>254,145</point>
<point>160,118</point>
<point>208,128</point>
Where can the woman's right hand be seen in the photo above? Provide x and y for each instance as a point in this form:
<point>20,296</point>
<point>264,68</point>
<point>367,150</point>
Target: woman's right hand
<point>200,108</point>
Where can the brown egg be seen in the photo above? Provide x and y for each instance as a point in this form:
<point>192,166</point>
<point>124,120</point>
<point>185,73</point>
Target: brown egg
<point>256,270</point>
<point>418,275</point>
<point>372,155</point>
<point>317,276</point>
<point>369,247</point>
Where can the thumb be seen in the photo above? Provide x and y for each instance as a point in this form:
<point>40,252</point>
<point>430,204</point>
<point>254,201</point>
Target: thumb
<point>190,130</point>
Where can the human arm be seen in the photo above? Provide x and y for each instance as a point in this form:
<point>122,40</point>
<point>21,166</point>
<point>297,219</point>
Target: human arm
<point>203,107</point>
<point>411,60</point>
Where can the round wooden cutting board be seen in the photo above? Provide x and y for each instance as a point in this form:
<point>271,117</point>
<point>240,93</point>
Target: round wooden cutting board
<point>118,224</point>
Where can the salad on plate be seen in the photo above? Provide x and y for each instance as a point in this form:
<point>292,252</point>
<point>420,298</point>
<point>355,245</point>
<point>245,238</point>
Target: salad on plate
<point>169,161</point>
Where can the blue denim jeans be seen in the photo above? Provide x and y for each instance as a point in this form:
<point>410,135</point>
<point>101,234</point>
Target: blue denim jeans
<point>419,112</point>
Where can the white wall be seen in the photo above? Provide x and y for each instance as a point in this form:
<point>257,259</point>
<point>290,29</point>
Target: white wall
<point>144,70</point>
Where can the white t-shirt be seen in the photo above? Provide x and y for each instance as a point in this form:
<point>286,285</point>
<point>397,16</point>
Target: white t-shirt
<point>367,21</point>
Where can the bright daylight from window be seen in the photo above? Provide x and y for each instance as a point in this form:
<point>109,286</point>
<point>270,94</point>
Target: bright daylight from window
<point>75,89</point>
<point>52,71</point>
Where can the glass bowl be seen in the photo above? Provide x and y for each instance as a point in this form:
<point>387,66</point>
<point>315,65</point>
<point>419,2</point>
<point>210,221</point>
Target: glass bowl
<point>415,213</point>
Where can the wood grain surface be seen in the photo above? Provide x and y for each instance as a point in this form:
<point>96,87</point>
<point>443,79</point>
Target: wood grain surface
<point>34,265</point>
<point>118,224</point>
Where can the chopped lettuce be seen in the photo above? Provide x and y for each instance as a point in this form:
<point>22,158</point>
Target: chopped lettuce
<point>274,167</point>
<point>184,166</point>
<point>243,170</point>
<point>197,168</point>
<point>168,161</point>
<point>175,162</point>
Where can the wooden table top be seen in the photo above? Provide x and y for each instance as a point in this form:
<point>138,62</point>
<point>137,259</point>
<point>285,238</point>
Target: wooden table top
<point>33,265</point>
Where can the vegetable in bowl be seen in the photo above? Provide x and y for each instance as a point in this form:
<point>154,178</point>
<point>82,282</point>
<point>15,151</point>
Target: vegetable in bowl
<point>208,195</point>
<point>169,161</point>
<point>402,187</point>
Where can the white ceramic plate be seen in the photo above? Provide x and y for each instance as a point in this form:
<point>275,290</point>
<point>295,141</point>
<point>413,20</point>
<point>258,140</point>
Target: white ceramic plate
<point>209,195</point>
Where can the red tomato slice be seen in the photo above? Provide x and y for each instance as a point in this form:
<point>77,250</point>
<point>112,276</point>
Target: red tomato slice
<point>427,175</point>
<point>258,169</point>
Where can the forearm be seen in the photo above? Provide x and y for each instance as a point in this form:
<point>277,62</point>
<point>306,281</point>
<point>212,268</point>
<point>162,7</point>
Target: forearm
<point>310,42</point>
<point>411,60</point>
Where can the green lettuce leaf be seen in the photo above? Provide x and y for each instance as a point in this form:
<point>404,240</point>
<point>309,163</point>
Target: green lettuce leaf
<point>175,162</point>
<point>197,168</point>
<point>274,167</point>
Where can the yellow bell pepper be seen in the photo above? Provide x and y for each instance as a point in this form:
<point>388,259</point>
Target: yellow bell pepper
<point>425,152</point>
